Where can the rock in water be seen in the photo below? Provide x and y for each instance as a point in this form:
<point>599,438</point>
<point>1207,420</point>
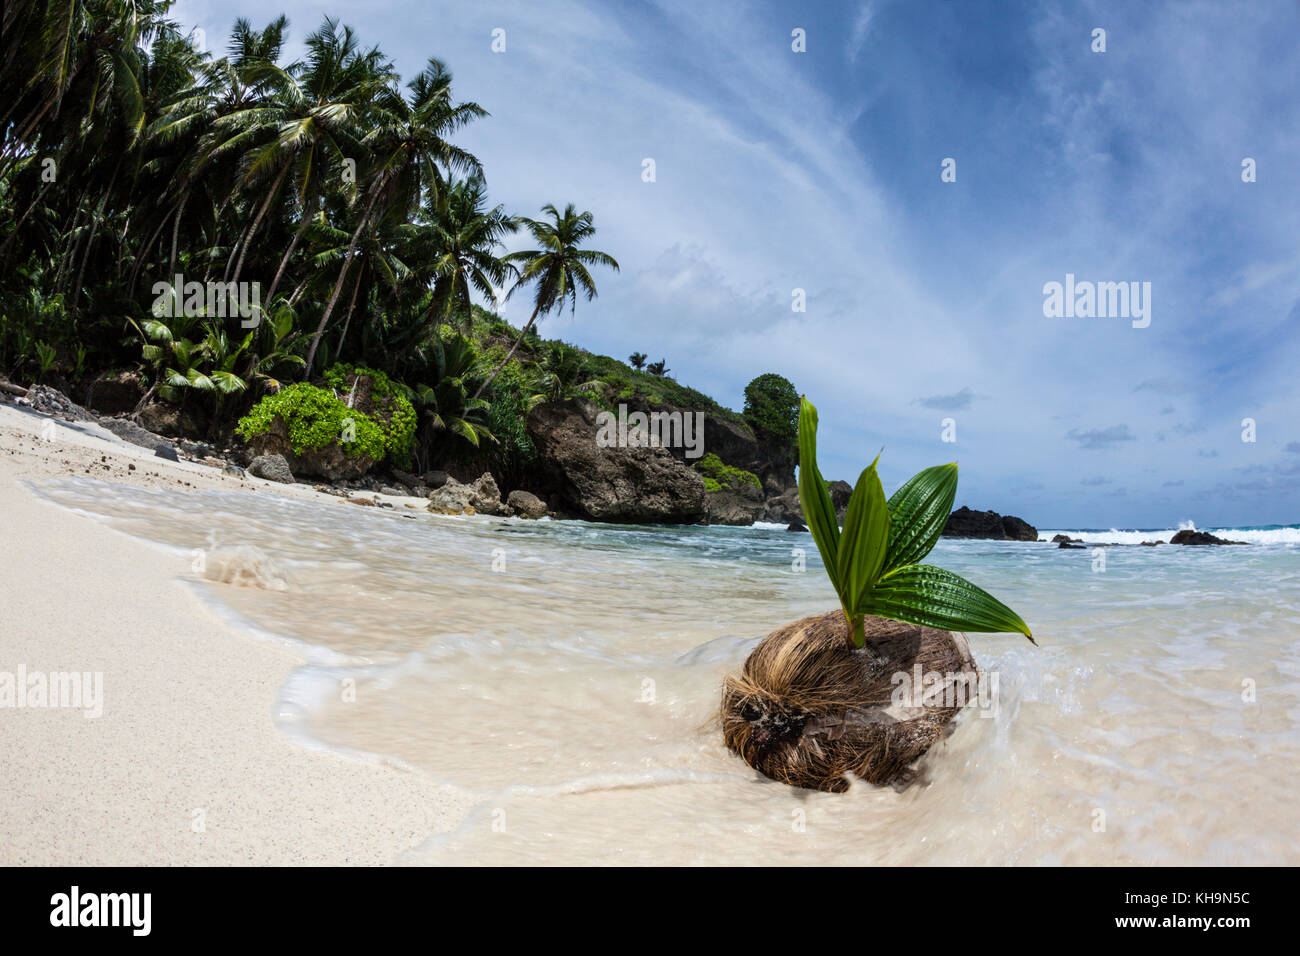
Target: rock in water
<point>809,710</point>
<point>486,496</point>
<point>526,504</point>
<point>840,492</point>
<point>272,468</point>
<point>741,504</point>
<point>1199,537</point>
<point>796,526</point>
<point>610,481</point>
<point>964,523</point>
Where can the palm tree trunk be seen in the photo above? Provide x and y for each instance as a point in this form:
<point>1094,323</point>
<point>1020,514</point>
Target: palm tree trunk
<point>338,286</point>
<point>509,355</point>
<point>99,217</point>
<point>143,255</point>
<point>176,228</point>
<point>261,214</point>
<point>293,245</point>
<point>351,305</point>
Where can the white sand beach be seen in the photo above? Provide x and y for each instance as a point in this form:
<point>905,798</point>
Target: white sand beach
<point>185,765</point>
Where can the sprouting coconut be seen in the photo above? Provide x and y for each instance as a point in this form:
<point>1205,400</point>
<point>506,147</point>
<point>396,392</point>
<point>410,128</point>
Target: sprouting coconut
<point>836,696</point>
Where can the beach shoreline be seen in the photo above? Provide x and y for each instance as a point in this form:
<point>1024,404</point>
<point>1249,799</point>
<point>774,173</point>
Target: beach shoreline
<point>185,764</point>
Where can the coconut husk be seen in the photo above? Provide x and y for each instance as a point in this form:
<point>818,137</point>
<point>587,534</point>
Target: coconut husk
<point>809,710</point>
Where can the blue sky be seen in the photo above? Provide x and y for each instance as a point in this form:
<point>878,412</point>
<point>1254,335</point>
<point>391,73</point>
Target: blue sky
<point>820,170</point>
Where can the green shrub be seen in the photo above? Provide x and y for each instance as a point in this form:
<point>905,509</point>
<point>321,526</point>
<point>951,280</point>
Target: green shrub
<point>772,405</point>
<point>391,399</point>
<point>315,419</point>
<point>718,475</point>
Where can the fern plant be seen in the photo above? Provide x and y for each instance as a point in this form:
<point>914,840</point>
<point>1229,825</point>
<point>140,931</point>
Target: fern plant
<point>874,561</point>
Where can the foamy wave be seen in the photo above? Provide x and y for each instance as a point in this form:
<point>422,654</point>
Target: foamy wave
<point>245,566</point>
<point>1274,536</point>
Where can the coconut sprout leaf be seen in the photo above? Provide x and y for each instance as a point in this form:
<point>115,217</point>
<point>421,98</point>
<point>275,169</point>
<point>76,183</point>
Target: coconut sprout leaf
<point>818,511</point>
<point>932,597</point>
<point>863,541</point>
<point>918,512</point>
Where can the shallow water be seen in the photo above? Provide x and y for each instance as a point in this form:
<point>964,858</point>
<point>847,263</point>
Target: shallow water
<point>567,674</point>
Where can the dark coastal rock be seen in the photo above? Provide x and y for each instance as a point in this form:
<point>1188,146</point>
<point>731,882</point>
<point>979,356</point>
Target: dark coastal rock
<point>272,468</point>
<point>435,479</point>
<point>51,401</point>
<point>633,485</point>
<point>1058,538</point>
<point>784,508</point>
<point>742,504</point>
<point>526,504</point>
<point>167,452</point>
<point>164,418</point>
<point>1199,537</point>
<point>1068,543</point>
<point>129,431</point>
<point>234,471</point>
<point>736,443</point>
<point>797,526</point>
<point>390,490</point>
<point>115,392</point>
<point>989,525</point>
<point>1151,544</point>
<point>841,492</point>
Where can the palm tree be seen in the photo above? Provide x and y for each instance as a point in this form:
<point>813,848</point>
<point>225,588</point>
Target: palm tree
<point>659,368</point>
<point>463,236</point>
<point>410,152</point>
<point>559,268</point>
<point>637,360</point>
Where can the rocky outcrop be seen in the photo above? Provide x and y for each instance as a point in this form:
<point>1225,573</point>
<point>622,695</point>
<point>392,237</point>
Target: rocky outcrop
<point>526,504</point>
<point>841,492</point>
<point>633,485</point>
<point>479,497</point>
<point>1199,537</point>
<point>51,401</point>
<point>784,508</point>
<point>129,431</point>
<point>989,525</point>
<point>486,496</point>
<point>733,440</point>
<point>742,504</point>
<point>272,468</point>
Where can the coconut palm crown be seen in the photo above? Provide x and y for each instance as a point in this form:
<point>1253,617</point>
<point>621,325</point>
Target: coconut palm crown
<point>874,561</point>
